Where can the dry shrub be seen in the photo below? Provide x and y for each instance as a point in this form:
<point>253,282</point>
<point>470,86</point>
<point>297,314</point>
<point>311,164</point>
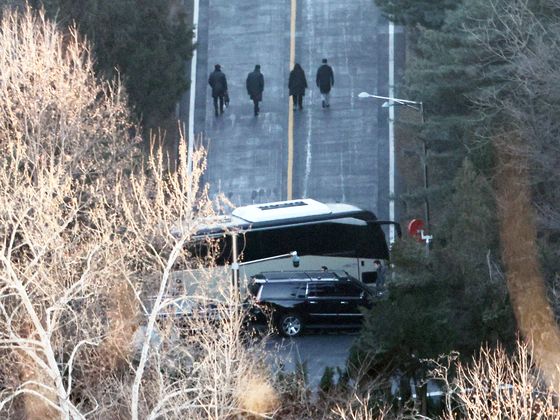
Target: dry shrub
<point>52,103</point>
<point>498,385</point>
<point>123,318</point>
<point>256,395</point>
<point>217,370</point>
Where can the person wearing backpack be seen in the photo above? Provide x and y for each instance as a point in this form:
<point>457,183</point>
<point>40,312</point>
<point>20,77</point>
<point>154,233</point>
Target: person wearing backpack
<point>218,83</point>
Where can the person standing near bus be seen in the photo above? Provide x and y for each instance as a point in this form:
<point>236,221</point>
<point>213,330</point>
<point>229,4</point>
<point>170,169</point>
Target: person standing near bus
<point>218,83</point>
<point>380,281</point>
<point>325,81</point>
<point>255,87</point>
<point>297,85</point>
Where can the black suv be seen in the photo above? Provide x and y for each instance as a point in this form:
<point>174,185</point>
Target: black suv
<point>292,300</point>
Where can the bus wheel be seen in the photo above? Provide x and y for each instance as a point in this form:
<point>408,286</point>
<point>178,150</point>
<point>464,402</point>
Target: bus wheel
<point>290,325</point>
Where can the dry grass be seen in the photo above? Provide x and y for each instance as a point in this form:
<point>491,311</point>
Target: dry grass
<point>256,395</point>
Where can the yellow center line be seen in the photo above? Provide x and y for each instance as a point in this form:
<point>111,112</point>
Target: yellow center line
<point>290,101</point>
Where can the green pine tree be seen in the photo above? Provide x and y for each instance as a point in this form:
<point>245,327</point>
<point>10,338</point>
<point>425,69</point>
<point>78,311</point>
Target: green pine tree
<point>447,301</point>
<point>139,41</point>
<point>427,13</point>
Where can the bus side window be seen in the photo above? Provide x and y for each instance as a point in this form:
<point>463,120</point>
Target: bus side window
<point>375,245</point>
<point>200,250</point>
<point>252,249</point>
<point>335,239</point>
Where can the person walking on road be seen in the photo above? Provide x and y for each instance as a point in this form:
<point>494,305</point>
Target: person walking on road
<point>297,85</point>
<point>325,81</point>
<point>255,87</point>
<point>218,83</point>
<point>380,281</point>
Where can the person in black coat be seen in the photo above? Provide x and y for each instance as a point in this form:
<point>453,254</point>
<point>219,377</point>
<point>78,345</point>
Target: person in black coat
<point>218,82</point>
<point>297,85</point>
<point>325,81</point>
<point>255,87</point>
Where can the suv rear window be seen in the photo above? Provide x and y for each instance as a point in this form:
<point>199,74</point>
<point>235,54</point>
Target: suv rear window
<point>282,291</point>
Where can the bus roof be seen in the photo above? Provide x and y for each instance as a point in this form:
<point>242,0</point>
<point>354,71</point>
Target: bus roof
<point>281,213</point>
<point>281,210</point>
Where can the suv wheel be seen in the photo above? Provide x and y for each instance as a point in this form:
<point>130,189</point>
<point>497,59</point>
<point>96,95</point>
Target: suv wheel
<point>290,325</point>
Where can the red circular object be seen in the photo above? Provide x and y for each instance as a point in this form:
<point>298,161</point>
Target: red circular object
<point>414,227</point>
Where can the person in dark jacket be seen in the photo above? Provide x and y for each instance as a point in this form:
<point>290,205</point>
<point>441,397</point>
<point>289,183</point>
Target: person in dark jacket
<point>218,82</point>
<point>325,81</point>
<point>297,85</point>
<point>255,87</point>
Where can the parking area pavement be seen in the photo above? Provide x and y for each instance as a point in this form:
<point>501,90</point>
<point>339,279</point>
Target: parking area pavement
<point>316,350</point>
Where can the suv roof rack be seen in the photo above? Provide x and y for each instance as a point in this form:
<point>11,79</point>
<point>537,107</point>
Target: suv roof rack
<point>311,275</point>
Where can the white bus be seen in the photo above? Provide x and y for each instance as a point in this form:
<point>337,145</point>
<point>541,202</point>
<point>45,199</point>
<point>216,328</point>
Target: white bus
<point>334,236</point>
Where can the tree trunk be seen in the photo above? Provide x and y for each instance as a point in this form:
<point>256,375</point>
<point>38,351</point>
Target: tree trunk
<point>525,283</point>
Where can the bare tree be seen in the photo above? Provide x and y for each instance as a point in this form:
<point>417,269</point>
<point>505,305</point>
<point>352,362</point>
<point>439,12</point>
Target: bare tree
<point>524,46</point>
<point>92,235</point>
<point>523,42</point>
<point>495,384</point>
<point>60,128</point>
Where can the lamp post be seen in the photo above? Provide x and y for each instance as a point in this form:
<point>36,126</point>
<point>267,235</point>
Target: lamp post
<point>417,106</point>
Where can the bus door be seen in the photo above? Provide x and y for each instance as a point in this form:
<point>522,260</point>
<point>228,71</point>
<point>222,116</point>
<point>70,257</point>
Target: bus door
<point>366,270</point>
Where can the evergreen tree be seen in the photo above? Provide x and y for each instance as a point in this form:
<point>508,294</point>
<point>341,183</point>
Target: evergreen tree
<point>447,301</point>
<point>139,39</point>
<point>448,73</point>
<point>426,13</point>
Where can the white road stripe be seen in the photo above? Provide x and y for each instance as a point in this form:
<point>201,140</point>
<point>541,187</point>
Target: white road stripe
<point>391,132</point>
<point>310,24</point>
<point>190,138</point>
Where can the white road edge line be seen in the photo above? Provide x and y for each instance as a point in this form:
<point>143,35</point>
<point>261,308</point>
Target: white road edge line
<point>391,132</point>
<point>190,138</point>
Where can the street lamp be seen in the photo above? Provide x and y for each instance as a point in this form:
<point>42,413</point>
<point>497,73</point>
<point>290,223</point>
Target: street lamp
<point>417,106</point>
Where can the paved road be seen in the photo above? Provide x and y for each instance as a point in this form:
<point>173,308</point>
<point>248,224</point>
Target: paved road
<point>337,150</point>
<point>246,155</point>
<point>341,153</point>
<point>317,351</point>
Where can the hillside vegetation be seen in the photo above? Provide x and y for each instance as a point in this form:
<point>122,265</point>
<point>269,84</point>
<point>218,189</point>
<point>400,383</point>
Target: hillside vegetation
<point>487,73</point>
